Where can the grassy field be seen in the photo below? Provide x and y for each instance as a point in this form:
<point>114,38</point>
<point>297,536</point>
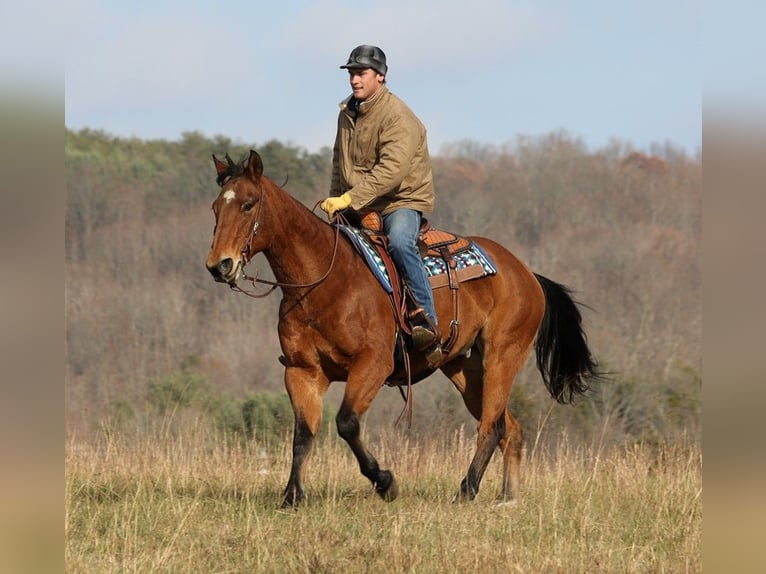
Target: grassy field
<point>204,504</point>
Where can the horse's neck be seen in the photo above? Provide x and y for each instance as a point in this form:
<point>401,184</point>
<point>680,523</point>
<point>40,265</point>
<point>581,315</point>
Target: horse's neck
<point>301,247</point>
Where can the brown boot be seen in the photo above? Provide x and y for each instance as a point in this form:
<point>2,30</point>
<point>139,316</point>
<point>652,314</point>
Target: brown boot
<point>422,337</point>
<point>427,341</point>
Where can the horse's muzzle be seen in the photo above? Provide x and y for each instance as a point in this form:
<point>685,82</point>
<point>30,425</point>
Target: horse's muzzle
<point>224,271</point>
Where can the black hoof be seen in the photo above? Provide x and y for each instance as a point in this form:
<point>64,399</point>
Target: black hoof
<point>386,487</point>
<point>465,495</point>
<point>291,500</point>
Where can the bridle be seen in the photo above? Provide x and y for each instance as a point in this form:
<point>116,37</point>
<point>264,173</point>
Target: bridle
<point>244,252</point>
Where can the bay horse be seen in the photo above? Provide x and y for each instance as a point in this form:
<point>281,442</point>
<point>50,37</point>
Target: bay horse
<point>336,324</point>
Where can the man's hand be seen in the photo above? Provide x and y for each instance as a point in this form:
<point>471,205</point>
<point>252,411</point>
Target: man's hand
<point>333,204</point>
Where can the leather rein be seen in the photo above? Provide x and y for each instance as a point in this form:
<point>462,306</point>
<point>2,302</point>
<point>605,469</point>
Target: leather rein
<point>274,284</point>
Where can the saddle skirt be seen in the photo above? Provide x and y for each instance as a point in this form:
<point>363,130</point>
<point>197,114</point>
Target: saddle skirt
<point>440,250</point>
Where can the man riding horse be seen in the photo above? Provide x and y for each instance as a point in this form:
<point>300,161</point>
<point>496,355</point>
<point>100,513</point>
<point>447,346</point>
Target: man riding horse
<point>381,163</point>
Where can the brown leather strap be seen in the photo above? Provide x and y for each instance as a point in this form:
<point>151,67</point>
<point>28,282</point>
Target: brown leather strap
<point>408,396</point>
<point>380,243</point>
<point>399,305</point>
<point>454,287</point>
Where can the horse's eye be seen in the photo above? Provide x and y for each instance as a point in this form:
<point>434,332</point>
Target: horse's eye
<point>247,206</point>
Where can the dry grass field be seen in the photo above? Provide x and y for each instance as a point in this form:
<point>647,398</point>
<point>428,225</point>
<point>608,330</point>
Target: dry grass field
<point>202,503</point>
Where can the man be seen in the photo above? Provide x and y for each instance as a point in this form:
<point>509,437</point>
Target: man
<point>381,163</point>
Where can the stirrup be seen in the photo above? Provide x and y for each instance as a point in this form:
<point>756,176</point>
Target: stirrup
<point>434,356</point>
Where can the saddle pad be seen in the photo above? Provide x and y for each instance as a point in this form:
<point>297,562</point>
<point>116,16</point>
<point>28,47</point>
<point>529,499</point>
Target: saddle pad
<point>359,240</point>
<point>470,264</point>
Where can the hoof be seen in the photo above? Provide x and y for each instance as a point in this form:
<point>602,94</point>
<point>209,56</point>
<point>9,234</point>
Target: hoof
<point>291,500</point>
<point>392,492</point>
<point>388,489</point>
<point>462,496</point>
<point>288,507</point>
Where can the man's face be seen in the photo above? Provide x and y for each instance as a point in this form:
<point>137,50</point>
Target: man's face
<point>364,82</point>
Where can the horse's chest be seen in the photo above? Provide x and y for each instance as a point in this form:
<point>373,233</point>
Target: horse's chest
<point>307,329</point>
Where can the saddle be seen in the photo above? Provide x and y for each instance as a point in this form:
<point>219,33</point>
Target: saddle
<point>433,242</point>
<point>450,256</point>
<point>439,243</point>
<point>457,253</point>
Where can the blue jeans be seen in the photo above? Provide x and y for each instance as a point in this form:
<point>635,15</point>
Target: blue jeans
<point>401,227</point>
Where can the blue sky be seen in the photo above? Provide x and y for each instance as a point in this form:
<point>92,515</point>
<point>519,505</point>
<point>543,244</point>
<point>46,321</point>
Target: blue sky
<point>489,71</point>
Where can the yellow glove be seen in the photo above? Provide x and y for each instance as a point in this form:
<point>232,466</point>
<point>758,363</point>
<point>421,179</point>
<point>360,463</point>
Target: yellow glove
<point>333,204</point>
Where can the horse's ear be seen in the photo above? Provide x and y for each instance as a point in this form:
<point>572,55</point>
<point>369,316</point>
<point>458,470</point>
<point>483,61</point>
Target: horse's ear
<point>254,165</point>
<point>220,167</point>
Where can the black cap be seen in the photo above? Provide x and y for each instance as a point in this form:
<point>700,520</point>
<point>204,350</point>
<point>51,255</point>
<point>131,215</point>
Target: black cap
<point>365,56</point>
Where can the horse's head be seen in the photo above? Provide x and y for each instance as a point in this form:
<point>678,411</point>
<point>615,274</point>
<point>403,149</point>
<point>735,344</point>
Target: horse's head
<point>238,211</point>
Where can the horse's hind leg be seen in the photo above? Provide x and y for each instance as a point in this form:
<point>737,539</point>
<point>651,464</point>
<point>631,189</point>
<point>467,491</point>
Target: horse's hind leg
<point>467,375</point>
<point>361,389</point>
<point>485,389</point>
<point>511,446</point>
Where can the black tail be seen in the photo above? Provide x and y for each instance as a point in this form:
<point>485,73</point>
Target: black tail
<point>563,357</point>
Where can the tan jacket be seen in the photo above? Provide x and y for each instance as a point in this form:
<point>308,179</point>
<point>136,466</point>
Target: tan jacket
<point>381,157</point>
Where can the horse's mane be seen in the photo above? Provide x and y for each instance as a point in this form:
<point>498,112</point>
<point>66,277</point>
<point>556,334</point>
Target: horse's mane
<point>233,169</point>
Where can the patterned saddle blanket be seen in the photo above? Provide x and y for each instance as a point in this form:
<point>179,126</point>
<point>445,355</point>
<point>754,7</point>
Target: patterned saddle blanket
<point>470,261</point>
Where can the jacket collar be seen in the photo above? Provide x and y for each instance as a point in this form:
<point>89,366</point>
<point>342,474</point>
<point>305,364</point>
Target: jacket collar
<point>353,107</point>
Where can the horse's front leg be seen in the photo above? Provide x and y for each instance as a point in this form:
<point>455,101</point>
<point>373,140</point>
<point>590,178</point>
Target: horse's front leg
<point>382,480</point>
<point>306,389</point>
<point>361,388</point>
